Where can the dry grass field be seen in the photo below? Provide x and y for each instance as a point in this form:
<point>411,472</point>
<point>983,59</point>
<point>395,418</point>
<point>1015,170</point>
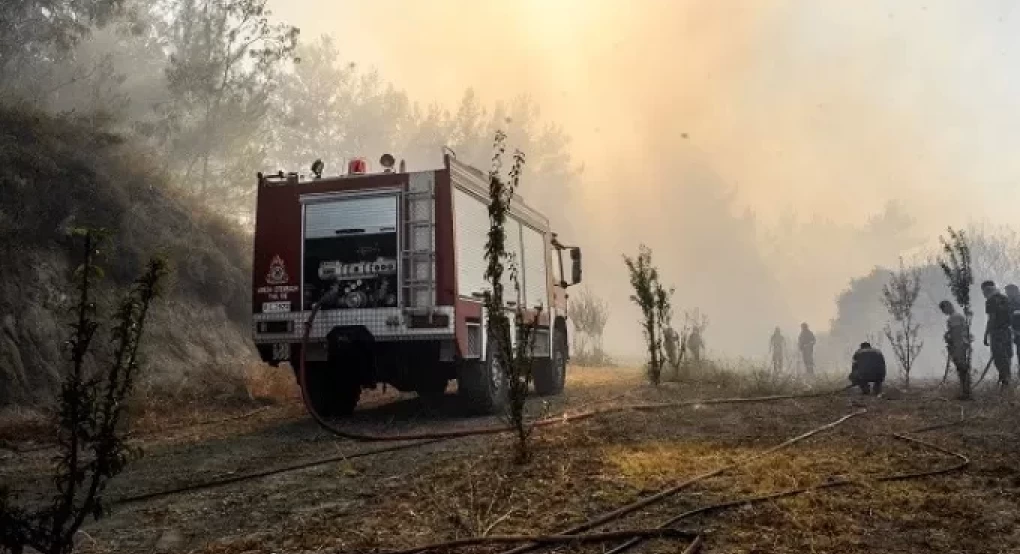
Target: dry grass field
<point>345,499</point>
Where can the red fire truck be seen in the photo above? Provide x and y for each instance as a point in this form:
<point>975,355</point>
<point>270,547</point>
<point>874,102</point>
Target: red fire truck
<point>396,261</point>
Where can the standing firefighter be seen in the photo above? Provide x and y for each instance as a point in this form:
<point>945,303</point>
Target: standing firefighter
<point>1013,293</point>
<point>695,344</point>
<point>958,345</point>
<point>867,369</point>
<point>998,334</point>
<point>776,345</point>
<point>806,343</point>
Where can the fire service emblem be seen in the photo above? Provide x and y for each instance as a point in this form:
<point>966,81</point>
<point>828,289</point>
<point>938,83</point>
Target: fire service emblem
<point>277,272</point>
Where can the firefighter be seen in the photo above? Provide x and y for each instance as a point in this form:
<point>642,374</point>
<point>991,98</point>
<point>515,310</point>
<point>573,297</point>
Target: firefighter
<point>868,368</point>
<point>1013,294</point>
<point>776,344</point>
<point>998,334</point>
<point>695,344</point>
<point>957,345</point>
<point>806,344</point>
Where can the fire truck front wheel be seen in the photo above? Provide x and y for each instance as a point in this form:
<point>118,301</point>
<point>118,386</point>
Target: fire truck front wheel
<point>551,374</point>
<point>329,392</point>
<point>482,384</point>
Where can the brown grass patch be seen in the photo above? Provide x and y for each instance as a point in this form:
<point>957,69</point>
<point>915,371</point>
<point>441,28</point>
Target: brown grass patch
<point>272,384</point>
<point>743,377</point>
<point>467,488</point>
<point>658,464</point>
<point>621,377</point>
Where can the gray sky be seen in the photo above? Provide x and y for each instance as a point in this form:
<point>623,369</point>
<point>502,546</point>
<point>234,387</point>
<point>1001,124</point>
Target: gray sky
<point>822,109</point>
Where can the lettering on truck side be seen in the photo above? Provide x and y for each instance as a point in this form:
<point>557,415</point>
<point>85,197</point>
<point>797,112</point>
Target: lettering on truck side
<point>278,292</point>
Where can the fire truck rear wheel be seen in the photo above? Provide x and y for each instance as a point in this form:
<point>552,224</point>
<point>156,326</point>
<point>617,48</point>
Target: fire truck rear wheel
<point>482,384</point>
<point>432,387</point>
<point>549,377</point>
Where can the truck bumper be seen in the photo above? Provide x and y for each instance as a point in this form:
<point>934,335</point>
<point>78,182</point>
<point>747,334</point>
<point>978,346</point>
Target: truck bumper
<point>384,324</point>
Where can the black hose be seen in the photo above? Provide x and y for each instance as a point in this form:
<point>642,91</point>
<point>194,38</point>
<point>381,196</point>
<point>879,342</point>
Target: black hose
<point>490,430</point>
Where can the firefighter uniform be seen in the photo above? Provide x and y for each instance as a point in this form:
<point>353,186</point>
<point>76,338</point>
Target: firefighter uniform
<point>867,369</point>
<point>958,348</point>
<point>806,343</point>
<point>999,334</point>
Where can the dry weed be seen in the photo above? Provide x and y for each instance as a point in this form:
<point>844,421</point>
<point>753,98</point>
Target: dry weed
<point>657,464</point>
<point>746,378</point>
<point>270,384</point>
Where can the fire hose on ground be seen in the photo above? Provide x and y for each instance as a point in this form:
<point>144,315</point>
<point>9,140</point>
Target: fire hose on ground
<point>636,536</point>
<point>422,439</point>
<point>497,429</point>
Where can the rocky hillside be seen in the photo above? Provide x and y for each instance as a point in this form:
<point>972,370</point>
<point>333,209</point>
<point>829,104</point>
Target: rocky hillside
<point>57,173</point>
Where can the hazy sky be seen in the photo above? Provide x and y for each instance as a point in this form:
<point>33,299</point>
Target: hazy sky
<point>823,109</point>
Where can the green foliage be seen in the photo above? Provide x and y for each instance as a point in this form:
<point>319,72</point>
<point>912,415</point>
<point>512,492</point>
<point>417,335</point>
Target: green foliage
<point>515,355</point>
<point>91,417</point>
<point>655,303</point>
<point>956,263</point>
<point>332,109</point>
<point>81,178</point>
<point>32,31</point>
<point>957,266</point>
<point>226,60</point>
<point>899,296</point>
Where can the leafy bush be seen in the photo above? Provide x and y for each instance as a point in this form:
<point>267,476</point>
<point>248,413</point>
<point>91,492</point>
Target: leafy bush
<point>91,425</point>
<point>57,173</point>
<point>656,310</point>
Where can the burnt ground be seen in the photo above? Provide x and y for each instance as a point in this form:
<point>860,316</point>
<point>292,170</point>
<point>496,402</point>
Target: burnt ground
<point>467,487</point>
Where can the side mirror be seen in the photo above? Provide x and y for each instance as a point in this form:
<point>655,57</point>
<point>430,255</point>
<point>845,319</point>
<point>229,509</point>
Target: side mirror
<point>575,266</point>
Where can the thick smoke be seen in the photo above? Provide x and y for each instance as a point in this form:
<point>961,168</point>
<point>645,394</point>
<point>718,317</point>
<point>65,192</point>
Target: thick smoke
<point>767,151</point>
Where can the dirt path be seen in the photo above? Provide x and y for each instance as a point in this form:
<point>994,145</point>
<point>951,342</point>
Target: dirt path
<point>188,521</point>
<point>465,487</point>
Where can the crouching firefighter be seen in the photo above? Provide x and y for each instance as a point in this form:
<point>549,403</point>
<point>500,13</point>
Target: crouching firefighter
<point>867,370</point>
<point>958,345</point>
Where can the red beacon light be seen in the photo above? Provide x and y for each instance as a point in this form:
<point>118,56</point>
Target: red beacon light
<point>357,166</point>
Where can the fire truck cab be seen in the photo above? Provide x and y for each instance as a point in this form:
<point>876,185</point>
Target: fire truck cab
<point>397,261</point>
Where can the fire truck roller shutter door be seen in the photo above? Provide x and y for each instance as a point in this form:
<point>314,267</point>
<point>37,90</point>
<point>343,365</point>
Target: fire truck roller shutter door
<point>370,214</point>
<point>472,231</point>
<point>535,285</point>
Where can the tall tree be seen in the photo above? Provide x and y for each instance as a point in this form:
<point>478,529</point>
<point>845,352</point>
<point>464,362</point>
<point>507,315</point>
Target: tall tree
<point>899,296</point>
<point>225,62</point>
<point>35,34</point>
<point>331,110</point>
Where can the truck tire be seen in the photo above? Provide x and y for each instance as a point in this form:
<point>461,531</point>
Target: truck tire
<point>432,388</point>
<point>482,384</point>
<point>549,377</point>
<point>330,393</point>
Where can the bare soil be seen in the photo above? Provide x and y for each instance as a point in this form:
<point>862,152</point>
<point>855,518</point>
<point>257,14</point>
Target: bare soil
<point>467,487</point>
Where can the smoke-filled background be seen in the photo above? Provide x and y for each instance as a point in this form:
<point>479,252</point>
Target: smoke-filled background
<point>772,154</point>
<point>767,151</point>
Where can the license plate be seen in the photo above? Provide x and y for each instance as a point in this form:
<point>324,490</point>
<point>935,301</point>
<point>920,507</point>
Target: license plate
<point>275,307</point>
